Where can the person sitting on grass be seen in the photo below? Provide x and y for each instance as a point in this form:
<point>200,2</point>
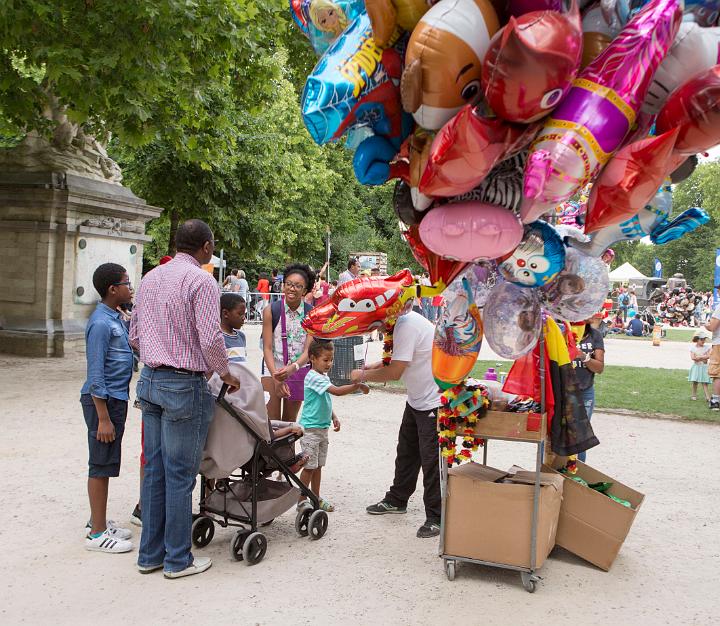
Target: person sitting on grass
<point>635,327</point>
<point>317,414</point>
<point>104,399</point>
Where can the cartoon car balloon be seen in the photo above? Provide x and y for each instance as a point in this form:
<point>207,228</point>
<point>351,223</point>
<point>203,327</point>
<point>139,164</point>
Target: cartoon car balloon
<point>361,305</point>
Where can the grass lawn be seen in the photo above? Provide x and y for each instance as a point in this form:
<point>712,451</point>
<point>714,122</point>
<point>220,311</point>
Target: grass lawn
<point>671,334</point>
<point>646,390</point>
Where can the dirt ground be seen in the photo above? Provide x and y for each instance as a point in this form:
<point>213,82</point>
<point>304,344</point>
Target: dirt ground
<point>366,570</point>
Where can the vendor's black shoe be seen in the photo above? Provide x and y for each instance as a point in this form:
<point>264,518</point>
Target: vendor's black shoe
<point>714,405</point>
<point>383,507</point>
<point>429,529</point>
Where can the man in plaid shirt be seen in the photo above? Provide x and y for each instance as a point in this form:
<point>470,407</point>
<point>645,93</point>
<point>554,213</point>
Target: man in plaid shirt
<point>176,327</point>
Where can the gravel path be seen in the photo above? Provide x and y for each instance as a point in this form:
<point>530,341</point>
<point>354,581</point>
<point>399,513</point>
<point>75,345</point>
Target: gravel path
<point>367,570</point>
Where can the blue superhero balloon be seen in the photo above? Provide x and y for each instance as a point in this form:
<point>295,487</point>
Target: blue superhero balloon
<point>537,260</point>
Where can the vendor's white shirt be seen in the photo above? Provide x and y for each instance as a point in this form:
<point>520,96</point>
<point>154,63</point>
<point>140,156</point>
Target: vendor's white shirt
<point>412,343</point>
<point>716,333</point>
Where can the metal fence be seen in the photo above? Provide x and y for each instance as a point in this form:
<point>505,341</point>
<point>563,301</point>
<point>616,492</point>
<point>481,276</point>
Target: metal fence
<point>256,302</point>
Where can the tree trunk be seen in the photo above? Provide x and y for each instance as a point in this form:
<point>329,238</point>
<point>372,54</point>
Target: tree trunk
<point>174,220</point>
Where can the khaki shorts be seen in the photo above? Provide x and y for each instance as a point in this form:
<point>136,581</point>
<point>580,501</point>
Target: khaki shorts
<point>714,363</point>
<point>314,443</point>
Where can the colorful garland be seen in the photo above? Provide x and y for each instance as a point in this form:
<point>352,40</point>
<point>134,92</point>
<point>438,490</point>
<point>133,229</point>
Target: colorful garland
<point>461,407</point>
<point>571,465</point>
<point>388,343</point>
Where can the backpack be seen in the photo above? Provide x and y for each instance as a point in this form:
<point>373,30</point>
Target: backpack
<point>276,287</point>
<point>624,299</point>
<point>276,309</point>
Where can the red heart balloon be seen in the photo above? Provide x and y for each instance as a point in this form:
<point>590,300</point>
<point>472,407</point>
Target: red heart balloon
<point>441,270</point>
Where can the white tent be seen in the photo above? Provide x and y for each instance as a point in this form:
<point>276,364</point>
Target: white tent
<point>216,261</point>
<point>624,273</point>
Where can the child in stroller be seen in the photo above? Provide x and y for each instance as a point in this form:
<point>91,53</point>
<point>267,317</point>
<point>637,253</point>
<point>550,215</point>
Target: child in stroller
<point>241,453</point>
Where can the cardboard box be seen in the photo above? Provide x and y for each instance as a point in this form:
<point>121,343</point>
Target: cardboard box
<point>490,521</point>
<point>591,525</point>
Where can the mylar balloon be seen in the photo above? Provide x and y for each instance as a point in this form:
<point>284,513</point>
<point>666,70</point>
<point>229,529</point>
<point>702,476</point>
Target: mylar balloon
<point>629,181</point>
<point>403,205</point>
<point>695,109</point>
<point>387,15</point>
<point>467,148</point>
<point>521,7</point>
<point>444,57</point>
<point>482,277</point>
<point>580,290</point>
<point>471,231</point>
<point>685,170</point>
<point>694,50</point>
<point>442,271</point>
<point>458,336</point>
<point>361,305</point>
<point>537,259</point>
<point>503,185</point>
<point>512,319</point>
<point>531,63</point>
<point>702,12</point>
<point>595,117</point>
<point>323,21</point>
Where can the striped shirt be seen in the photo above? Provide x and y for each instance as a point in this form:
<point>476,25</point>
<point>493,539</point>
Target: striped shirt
<point>176,318</point>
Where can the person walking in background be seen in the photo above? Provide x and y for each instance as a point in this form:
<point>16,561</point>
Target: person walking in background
<point>263,288</point>
<point>633,304</point>
<point>352,272</point>
<point>176,328</point>
<point>623,303</point>
<point>243,289</point>
<point>699,355</point>
<point>590,360</point>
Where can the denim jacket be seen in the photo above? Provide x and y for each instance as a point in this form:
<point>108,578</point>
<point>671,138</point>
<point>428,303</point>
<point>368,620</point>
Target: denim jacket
<point>109,357</point>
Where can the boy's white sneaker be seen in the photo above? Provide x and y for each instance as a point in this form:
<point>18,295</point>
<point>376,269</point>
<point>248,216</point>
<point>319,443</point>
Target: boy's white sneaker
<point>105,542</point>
<point>115,531</point>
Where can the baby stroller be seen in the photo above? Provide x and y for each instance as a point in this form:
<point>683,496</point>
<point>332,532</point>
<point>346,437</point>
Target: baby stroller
<point>239,457</point>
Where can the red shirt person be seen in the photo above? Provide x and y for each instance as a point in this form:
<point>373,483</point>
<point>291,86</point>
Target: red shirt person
<point>176,328</point>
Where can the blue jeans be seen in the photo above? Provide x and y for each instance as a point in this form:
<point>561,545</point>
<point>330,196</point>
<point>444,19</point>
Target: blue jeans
<point>176,409</point>
<point>588,398</point>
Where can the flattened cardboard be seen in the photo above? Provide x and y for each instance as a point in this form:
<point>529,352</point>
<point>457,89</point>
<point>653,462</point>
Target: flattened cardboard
<point>490,521</point>
<point>593,526</point>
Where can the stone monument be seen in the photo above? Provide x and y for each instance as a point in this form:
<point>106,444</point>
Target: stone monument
<point>63,212</point>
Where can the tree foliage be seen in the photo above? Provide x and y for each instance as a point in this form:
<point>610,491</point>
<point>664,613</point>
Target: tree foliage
<point>693,255</point>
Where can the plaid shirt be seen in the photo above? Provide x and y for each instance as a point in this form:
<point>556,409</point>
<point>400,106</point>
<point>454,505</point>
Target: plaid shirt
<point>176,318</point>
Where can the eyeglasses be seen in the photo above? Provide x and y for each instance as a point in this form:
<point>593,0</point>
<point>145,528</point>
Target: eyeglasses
<point>295,286</point>
<point>127,282</point>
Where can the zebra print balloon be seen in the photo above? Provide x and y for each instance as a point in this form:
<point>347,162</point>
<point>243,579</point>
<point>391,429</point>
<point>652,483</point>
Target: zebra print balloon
<point>503,185</point>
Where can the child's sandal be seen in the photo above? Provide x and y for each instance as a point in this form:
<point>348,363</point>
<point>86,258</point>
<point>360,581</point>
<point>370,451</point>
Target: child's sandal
<point>326,506</point>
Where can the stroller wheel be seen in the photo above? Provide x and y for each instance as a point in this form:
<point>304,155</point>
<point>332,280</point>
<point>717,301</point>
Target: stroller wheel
<point>236,544</point>
<point>302,520</point>
<point>318,524</point>
<point>203,530</point>
<point>254,548</point>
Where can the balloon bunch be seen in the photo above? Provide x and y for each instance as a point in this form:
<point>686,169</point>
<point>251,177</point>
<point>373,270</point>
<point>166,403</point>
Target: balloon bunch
<point>491,115</point>
<point>677,306</point>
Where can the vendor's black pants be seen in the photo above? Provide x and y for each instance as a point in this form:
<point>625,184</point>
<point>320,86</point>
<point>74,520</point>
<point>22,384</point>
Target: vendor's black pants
<point>417,447</point>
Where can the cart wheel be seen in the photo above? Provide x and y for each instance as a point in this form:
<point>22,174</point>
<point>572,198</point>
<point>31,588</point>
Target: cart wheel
<point>450,569</point>
<point>301,521</point>
<point>254,548</point>
<point>529,581</point>
<point>318,524</point>
<point>203,530</point>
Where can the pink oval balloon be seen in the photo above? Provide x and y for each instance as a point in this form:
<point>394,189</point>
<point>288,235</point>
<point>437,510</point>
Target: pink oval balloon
<point>471,231</point>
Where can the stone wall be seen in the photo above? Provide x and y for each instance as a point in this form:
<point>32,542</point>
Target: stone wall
<point>55,228</point>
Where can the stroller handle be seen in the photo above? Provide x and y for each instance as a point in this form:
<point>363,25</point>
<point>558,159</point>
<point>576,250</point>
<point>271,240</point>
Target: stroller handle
<point>223,391</point>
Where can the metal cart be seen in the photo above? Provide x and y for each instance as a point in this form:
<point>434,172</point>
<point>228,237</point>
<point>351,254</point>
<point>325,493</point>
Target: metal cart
<point>494,426</point>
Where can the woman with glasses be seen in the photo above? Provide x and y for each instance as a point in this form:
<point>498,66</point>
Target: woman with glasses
<point>285,345</point>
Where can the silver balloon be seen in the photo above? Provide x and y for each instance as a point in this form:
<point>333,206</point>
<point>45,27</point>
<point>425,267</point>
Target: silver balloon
<point>580,289</point>
<point>512,319</point>
<point>481,279</point>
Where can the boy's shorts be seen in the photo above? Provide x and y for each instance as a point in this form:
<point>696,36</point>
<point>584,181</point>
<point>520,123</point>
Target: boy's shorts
<point>104,458</point>
<point>714,363</point>
<point>314,443</point>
